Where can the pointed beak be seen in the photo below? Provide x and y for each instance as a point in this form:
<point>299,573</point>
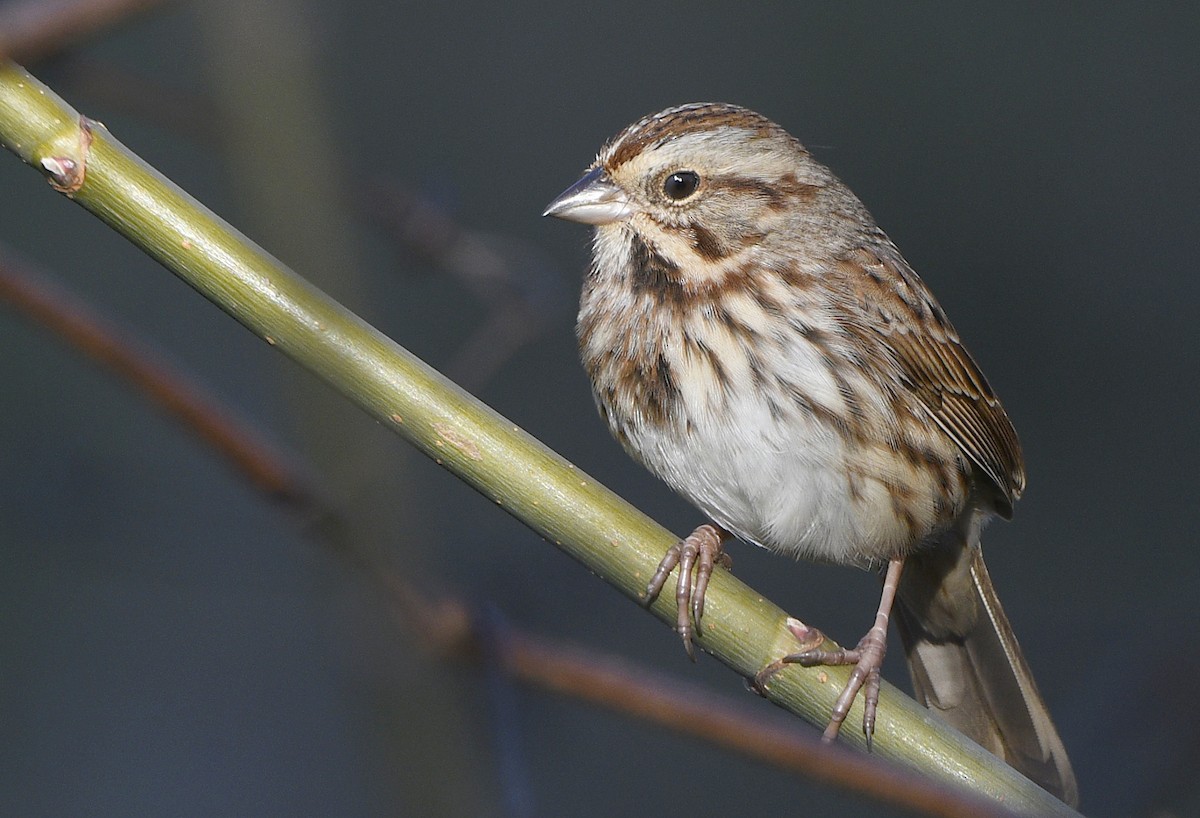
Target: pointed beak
<point>594,199</point>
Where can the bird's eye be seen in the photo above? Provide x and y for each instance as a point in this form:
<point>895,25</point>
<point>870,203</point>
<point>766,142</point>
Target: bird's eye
<point>681,184</point>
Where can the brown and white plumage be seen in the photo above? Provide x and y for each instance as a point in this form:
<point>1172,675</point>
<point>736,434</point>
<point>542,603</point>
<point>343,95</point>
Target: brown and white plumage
<point>757,342</point>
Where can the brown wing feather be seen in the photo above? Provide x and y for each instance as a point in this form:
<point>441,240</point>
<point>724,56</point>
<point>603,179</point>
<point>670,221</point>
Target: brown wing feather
<point>938,368</point>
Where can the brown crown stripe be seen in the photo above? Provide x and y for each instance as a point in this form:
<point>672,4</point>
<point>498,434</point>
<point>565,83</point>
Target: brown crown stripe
<point>675,122</point>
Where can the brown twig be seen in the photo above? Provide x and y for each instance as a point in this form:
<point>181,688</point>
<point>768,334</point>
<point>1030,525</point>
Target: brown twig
<point>515,280</point>
<point>36,29</point>
<point>512,278</point>
<point>178,110</point>
<point>49,304</point>
<point>690,710</point>
<point>615,684</point>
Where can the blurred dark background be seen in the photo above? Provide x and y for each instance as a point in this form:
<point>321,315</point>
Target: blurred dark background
<point>174,644</point>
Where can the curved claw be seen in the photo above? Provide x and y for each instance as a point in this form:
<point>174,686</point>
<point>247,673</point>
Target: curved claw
<point>659,580</point>
<point>759,683</point>
<point>709,559</point>
<point>810,639</point>
<point>696,555</point>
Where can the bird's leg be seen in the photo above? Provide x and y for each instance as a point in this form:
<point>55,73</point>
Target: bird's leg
<point>697,555</point>
<point>867,659</point>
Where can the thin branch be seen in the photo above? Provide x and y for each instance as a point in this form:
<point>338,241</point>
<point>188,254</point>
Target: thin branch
<point>514,280</point>
<point>548,494</point>
<point>38,298</point>
<point>174,108</point>
<point>35,29</point>
<point>691,710</point>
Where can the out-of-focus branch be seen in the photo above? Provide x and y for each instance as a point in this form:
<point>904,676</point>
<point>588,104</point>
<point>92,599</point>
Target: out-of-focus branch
<point>519,285</point>
<point>35,29</point>
<point>691,710</point>
<point>513,280</point>
<point>545,492</point>
<point>516,282</point>
<point>40,299</point>
<point>179,111</point>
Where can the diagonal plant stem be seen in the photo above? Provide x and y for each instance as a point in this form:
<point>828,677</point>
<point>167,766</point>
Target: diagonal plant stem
<point>445,626</point>
<point>505,464</point>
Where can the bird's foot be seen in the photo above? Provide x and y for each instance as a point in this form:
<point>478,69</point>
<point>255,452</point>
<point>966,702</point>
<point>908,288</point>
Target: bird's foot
<point>867,659</point>
<point>697,555</point>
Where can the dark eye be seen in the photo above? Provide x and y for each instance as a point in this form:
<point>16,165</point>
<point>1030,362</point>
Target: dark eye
<point>681,184</point>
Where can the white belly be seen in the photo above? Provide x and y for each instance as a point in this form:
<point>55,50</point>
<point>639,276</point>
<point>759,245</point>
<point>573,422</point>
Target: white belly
<point>783,485</point>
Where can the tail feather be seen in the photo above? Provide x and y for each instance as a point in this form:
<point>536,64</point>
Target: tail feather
<point>966,664</point>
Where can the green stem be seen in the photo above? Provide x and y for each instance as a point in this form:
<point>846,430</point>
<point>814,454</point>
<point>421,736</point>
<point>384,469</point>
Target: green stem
<point>506,465</point>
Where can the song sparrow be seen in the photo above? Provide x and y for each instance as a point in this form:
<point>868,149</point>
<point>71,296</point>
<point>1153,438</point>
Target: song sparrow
<point>757,342</point>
